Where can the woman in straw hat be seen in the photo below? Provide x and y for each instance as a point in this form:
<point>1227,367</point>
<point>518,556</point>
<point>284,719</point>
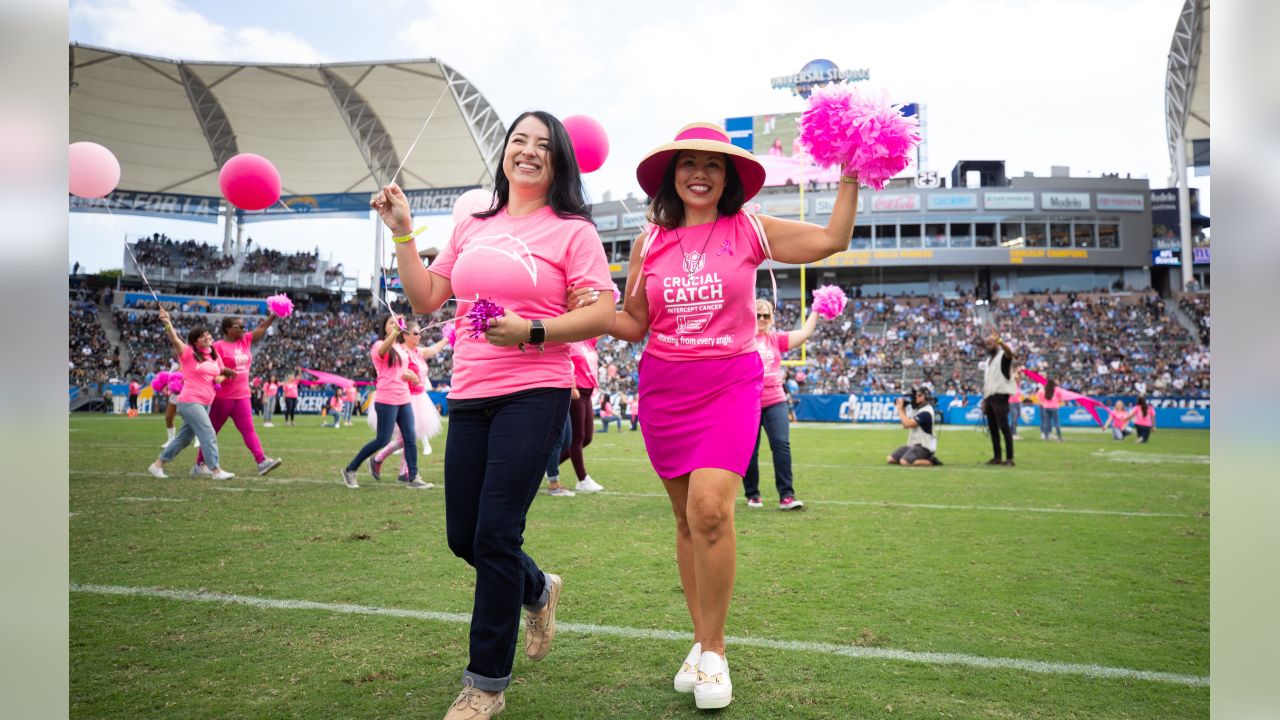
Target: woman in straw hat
<point>692,289</point>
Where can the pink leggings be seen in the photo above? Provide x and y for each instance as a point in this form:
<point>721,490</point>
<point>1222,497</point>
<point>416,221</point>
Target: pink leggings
<point>240,411</point>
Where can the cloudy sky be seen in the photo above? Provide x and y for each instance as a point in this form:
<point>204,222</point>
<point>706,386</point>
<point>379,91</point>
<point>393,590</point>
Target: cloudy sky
<point>1041,83</point>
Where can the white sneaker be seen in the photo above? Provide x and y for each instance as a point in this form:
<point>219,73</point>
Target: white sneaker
<point>755,502</point>
<point>197,444</point>
<point>349,478</point>
<point>222,475</point>
<point>588,485</point>
<point>417,483</point>
<point>714,689</point>
<point>561,491</point>
<point>688,675</point>
<point>201,470</point>
<point>267,424</point>
<point>157,471</point>
<point>268,464</point>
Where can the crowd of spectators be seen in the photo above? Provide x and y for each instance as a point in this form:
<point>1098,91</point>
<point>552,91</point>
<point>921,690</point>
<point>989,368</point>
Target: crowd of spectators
<point>91,357</point>
<point>1197,308</point>
<point>1099,344</point>
<point>160,250</point>
<point>265,260</point>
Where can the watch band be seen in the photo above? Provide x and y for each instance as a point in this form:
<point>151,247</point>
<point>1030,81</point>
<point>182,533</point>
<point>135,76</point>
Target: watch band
<point>537,332</point>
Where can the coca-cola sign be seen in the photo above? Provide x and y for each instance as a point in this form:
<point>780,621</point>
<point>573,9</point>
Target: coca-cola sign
<point>895,203</point>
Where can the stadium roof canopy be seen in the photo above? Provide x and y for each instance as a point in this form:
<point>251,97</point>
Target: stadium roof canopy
<point>329,128</point>
<point>1186,96</point>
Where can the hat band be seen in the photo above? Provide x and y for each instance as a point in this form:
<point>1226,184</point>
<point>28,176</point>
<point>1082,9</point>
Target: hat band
<point>702,133</point>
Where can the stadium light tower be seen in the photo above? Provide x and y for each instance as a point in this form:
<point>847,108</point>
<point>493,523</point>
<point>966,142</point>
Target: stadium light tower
<point>1186,109</point>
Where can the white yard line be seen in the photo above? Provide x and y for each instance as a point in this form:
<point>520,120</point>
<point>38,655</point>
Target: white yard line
<point>929,658</point>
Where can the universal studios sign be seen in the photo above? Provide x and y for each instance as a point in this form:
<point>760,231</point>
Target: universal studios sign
<point>815,73</point>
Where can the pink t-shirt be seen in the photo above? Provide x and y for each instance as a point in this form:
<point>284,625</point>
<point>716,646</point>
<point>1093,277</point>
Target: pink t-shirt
<point>419,367</point>
<point>352,394</point>
<point>586,363</point>
<point>1144,420</point>
<point>335,403</point>
<point>290,388</point>
<point>197,377</point>
<point>392,389</point>
<point>525,264</point>
<point>1120,419</point>
<point>702,303</point>
<point>270,390</point>
<point>235,355</point>
<point>134,387</point>
<point>771,347</point>
<point>1050,403</point>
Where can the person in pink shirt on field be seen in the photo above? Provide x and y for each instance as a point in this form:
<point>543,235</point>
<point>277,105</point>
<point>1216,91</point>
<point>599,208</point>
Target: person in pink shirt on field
<point>201,368</point>
<point>391,403</point>
<point>333,410</point>
<point>1050,399</point>
<point>511,384</point>
<point>1119,421</point>
<point>233,397</point>
<point>350,397</point>
<point>582,422</point>
<point>774,410</point>
<point>1144,420</point>
<point>691,290</point>
<point>270,393</point>
<point>290,386</point>
<point>426,419</point>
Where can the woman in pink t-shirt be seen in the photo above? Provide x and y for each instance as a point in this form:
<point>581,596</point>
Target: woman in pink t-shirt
<point>511,384</point>
<point>232,398</point>
<point>1119,421</point>
<point>426,419</point>
<point>582,421</point>
<point>201,368</point>
<point>1050,399</point>
<point>290,386</point>
<point>774,411</point>
<point>1144,420</point>
<point>691,290</point>
<point>270,393</point>
<point>391,407</point>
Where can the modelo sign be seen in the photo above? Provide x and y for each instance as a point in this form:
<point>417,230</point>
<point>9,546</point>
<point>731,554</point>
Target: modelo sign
<point>895,203</point>
<point>1064,201</point>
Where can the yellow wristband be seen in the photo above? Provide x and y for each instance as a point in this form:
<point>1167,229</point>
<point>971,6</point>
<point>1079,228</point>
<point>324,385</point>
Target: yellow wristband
<point>406,238</point>
<point>847,179</point>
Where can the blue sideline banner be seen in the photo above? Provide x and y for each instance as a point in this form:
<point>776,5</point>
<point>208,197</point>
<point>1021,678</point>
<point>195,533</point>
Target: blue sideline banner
<point>1171,412</point>
<point>200,304</point>
<point>169,205</point>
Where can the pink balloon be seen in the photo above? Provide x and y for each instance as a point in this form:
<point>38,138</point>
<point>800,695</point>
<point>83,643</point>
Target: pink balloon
<point>250,182</point>
<point>590,143</point>
<point>92,170</point>
<point>471,201</point>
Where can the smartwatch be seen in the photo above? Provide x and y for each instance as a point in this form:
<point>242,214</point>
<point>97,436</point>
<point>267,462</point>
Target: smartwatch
<point>537,333</point>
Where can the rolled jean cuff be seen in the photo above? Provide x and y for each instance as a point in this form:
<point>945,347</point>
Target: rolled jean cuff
<point>485,683</point>
<point>544,597</point>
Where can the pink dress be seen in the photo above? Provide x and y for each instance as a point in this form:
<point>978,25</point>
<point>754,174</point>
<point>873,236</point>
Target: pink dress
<point>700,376</point>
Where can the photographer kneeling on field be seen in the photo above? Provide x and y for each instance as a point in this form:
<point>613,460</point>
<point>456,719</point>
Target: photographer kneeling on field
<point>922,444</point>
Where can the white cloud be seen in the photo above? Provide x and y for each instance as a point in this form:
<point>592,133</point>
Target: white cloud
<point>168,28</point>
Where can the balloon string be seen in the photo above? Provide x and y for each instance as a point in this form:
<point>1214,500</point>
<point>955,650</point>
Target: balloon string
<point>419,137</point>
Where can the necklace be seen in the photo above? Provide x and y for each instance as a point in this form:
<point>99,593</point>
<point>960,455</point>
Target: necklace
<point>695,261</point>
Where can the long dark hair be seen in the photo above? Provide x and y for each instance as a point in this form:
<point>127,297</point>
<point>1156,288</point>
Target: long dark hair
<point>393,358</point>
<point>193,335</point>
<point>567,197</point>
<point>667,209</point>
<point>1142,405</point>
<point>1050,387</point>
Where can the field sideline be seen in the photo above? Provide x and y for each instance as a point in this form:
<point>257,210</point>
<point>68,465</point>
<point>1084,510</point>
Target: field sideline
<point>1074,585</point>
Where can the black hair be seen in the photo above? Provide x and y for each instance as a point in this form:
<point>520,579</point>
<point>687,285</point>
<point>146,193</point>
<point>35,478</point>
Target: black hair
<point>393,358</point>
<point>194,335</point>
<point>567,197</point>
<point>1142,403</point>
<point>667,209</point>
<point>1050,387</point>
<point>228,320</point>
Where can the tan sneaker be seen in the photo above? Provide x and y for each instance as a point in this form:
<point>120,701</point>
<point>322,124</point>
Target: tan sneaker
<point>540,626</point>
<point>475,704</point>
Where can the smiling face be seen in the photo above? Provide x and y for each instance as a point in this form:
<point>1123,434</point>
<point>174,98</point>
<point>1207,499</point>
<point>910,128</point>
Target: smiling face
<point>235,330</point>
<point>700,178</point>
<point>412,335</point>
<point>526,161</point>
<point>205,341</point>
<point>764,316</point>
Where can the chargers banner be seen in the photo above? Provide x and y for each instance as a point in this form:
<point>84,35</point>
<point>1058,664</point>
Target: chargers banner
<point>187,303</point>
<point>1171,412</point>
<point>332,205</point>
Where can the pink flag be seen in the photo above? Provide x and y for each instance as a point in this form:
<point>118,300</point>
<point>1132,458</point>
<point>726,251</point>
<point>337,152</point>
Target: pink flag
<point>1086,402</point>
<point>328,379</point>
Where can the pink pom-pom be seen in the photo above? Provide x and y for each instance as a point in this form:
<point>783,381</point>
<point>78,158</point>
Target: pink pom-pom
<point>829,301</point>
<point>280,305</point>
<point>450,333</point>
<point>483,312</point>
<point>868,135</point>
<point>175,385</point>
<point>159,382</point>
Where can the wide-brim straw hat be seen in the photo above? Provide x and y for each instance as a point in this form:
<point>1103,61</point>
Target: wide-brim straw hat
<point>700,136</point>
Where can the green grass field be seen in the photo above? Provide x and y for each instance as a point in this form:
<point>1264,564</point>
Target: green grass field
<point>1075,585</point>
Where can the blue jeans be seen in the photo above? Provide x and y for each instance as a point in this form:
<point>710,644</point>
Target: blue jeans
<point>347,406</point>
<point>566,438</point>
<point>389,416</point>
<point>776,423</point>
<point>606,419</point>
<point>195,424</point>
<point>268,409</point>
<point>1049,421</point>
<point>1015,414</point>
<point>493,462</point>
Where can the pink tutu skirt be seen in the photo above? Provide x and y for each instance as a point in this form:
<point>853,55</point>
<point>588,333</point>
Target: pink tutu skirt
<point>700,413</point>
